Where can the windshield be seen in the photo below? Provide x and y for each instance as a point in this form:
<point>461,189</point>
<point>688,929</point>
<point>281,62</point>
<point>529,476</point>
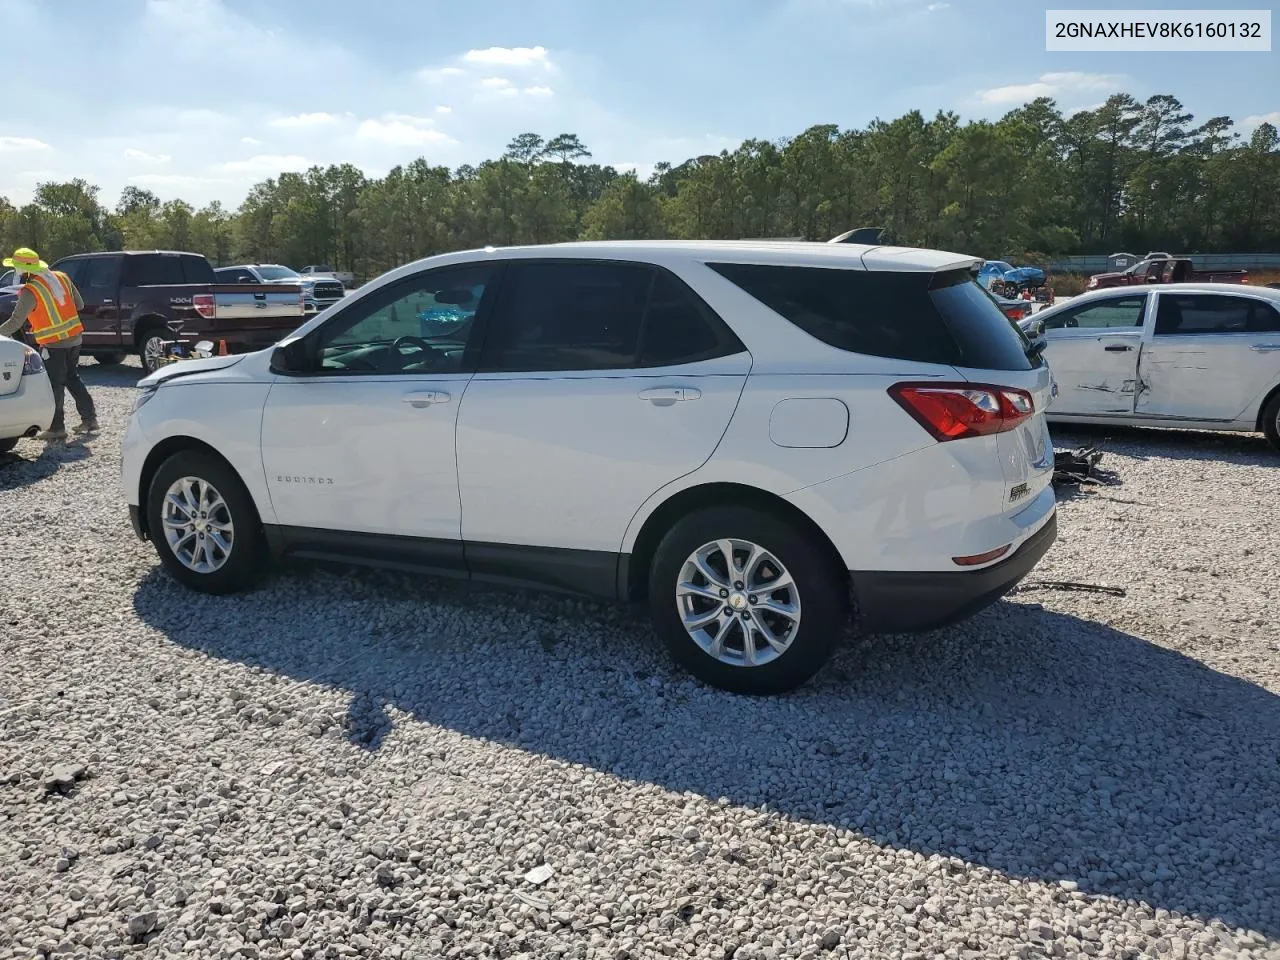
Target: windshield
<point>273,272</point>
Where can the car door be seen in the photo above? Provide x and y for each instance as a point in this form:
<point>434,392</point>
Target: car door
<point>1093,350</point>
<point>359,453</point>
<point>1210,356</point>
<point>600,383</point>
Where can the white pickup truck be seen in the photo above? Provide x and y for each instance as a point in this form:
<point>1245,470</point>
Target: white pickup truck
<point>346,277</point>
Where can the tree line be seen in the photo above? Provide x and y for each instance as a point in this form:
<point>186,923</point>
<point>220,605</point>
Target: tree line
<point>1128,175</point>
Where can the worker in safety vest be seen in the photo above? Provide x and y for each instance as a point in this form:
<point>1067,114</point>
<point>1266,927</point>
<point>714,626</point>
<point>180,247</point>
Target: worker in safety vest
<point>51,304</point>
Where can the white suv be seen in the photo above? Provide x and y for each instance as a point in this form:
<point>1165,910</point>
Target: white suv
<point>759,439</point>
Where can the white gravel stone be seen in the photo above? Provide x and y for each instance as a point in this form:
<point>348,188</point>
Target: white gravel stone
<point>363,764</point>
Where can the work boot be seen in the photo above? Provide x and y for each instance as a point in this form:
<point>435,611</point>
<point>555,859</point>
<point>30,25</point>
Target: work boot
<point>50,436</point>
<point>88,426</point>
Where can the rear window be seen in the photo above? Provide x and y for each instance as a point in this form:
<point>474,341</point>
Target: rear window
<point>944,318</point>
<point>153,269</point>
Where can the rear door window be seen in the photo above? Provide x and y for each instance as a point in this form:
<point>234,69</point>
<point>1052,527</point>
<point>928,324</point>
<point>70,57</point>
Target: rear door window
<point>196,269</point>
<point>153,269</point>
<point>1209,313</point>
<point>568,316</point>
<point>943,318</point>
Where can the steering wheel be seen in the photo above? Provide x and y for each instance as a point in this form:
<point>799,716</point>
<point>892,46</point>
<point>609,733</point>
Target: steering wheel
<point>427,349</point>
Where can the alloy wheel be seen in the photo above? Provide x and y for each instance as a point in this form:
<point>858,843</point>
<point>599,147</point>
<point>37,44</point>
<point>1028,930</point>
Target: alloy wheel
<point>197,525</point>
<point>738,602</point>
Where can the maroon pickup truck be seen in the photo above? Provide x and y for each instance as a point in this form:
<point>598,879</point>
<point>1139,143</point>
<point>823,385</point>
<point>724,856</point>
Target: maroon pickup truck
<point>130,297</point>
<point>1165,270</point>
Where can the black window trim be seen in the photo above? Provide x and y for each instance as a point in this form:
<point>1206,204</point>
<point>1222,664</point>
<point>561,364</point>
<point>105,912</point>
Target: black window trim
<point>1249,295</point>
<point>731,344</point>
<point>392,292</point>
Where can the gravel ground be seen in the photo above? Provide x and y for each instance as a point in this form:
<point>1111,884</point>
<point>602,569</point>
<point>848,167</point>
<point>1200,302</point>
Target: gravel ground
<point>355,764</point>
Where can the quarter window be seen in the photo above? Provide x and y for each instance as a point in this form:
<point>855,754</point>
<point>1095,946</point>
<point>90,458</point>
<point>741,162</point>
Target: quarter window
<point>1118,312</point>
<point>420,325</point>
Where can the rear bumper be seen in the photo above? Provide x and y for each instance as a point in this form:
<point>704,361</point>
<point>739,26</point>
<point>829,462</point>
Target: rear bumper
<point>250,339</point>
<point>909,601</point>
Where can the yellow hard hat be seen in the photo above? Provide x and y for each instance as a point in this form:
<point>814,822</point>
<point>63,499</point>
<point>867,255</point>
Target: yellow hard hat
<point>26,260</point>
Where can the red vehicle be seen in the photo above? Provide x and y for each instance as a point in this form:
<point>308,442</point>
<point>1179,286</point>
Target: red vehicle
<point>1165,269</point>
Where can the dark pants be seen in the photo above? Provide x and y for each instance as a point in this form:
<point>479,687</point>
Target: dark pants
<point>64,374</point>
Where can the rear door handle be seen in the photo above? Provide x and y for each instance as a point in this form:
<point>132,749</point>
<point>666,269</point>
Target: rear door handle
<point>662,396</point>
<point>426,398</point>
<point>1265,347</point>
<point>260,296</point>
<point>1117,348</point>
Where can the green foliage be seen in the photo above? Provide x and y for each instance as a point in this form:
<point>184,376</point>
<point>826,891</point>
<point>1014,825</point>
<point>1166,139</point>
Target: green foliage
<point>1128,175</point>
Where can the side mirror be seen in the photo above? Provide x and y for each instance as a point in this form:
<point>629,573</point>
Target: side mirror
<point>292,357</point>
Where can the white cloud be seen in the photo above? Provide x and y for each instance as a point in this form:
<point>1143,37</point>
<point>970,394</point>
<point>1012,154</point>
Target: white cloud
<point>1255,120</point>
<point>934,7</point>
<point>22,143</point>
<point>141,156</point>
<point>538,91</point>
<point>251,141</point>
<point>439,74</point>
<point>302,121</point>
<point>510,56</point>
<point>1052,85</point>
<point>496,83</point>
<point>402,130</point>
<point>267,163</point>
<point>444,109</point>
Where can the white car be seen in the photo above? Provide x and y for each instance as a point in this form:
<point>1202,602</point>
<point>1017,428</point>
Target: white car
<point>1204,356</point>
<point>26,398</point>
<point>758,438</point>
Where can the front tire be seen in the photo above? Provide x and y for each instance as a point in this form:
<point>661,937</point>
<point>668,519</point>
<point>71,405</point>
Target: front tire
<point>1271,421</point>
<point>8,443</point>
<point>204,524</point>
<point>746,601</point>
<point>111,359</point>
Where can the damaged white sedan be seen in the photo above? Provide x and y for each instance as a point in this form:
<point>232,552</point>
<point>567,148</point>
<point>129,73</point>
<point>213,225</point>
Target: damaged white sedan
<point>1202,356</point>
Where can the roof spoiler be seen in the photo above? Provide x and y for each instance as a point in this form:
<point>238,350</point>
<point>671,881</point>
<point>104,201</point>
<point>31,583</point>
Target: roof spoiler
<point>871,236</point>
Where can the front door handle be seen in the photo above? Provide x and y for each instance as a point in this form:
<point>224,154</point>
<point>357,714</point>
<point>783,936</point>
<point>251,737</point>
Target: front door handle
<point>426,398</point>
<point>663,396</point>
<point>1117,348</point>
<point>1265,347</point>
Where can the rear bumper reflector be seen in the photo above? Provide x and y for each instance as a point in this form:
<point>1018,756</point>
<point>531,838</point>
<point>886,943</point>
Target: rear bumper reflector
<point>980,558</point>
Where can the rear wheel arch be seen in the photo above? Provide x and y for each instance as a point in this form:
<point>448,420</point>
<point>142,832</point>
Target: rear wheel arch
<point>165,449</point>
<point>635,577</point>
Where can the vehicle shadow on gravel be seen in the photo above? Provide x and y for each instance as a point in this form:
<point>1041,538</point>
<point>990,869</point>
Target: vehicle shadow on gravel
<point>1027,741</point>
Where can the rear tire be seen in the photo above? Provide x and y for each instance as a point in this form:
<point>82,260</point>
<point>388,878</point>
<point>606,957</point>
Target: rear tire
<point>1271,421</point>
<point>151,348</point>
<point>110,359</point>
<point>204,524</point>
<point>690,583</point>
<point>8,444</point>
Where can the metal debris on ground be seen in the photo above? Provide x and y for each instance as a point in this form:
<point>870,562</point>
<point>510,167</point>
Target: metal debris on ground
<point>1076,467</point>
<point>1070,585</point>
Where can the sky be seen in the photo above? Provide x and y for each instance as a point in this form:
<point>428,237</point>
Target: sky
<point>200,99</point>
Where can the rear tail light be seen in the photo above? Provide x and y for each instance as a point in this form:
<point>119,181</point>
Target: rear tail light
<point>956,411</point>
<point>204,304</point>
<point>31,362</point>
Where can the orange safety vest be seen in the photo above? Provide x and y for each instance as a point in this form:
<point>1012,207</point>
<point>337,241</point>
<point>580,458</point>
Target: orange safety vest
<point>51,321</point>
